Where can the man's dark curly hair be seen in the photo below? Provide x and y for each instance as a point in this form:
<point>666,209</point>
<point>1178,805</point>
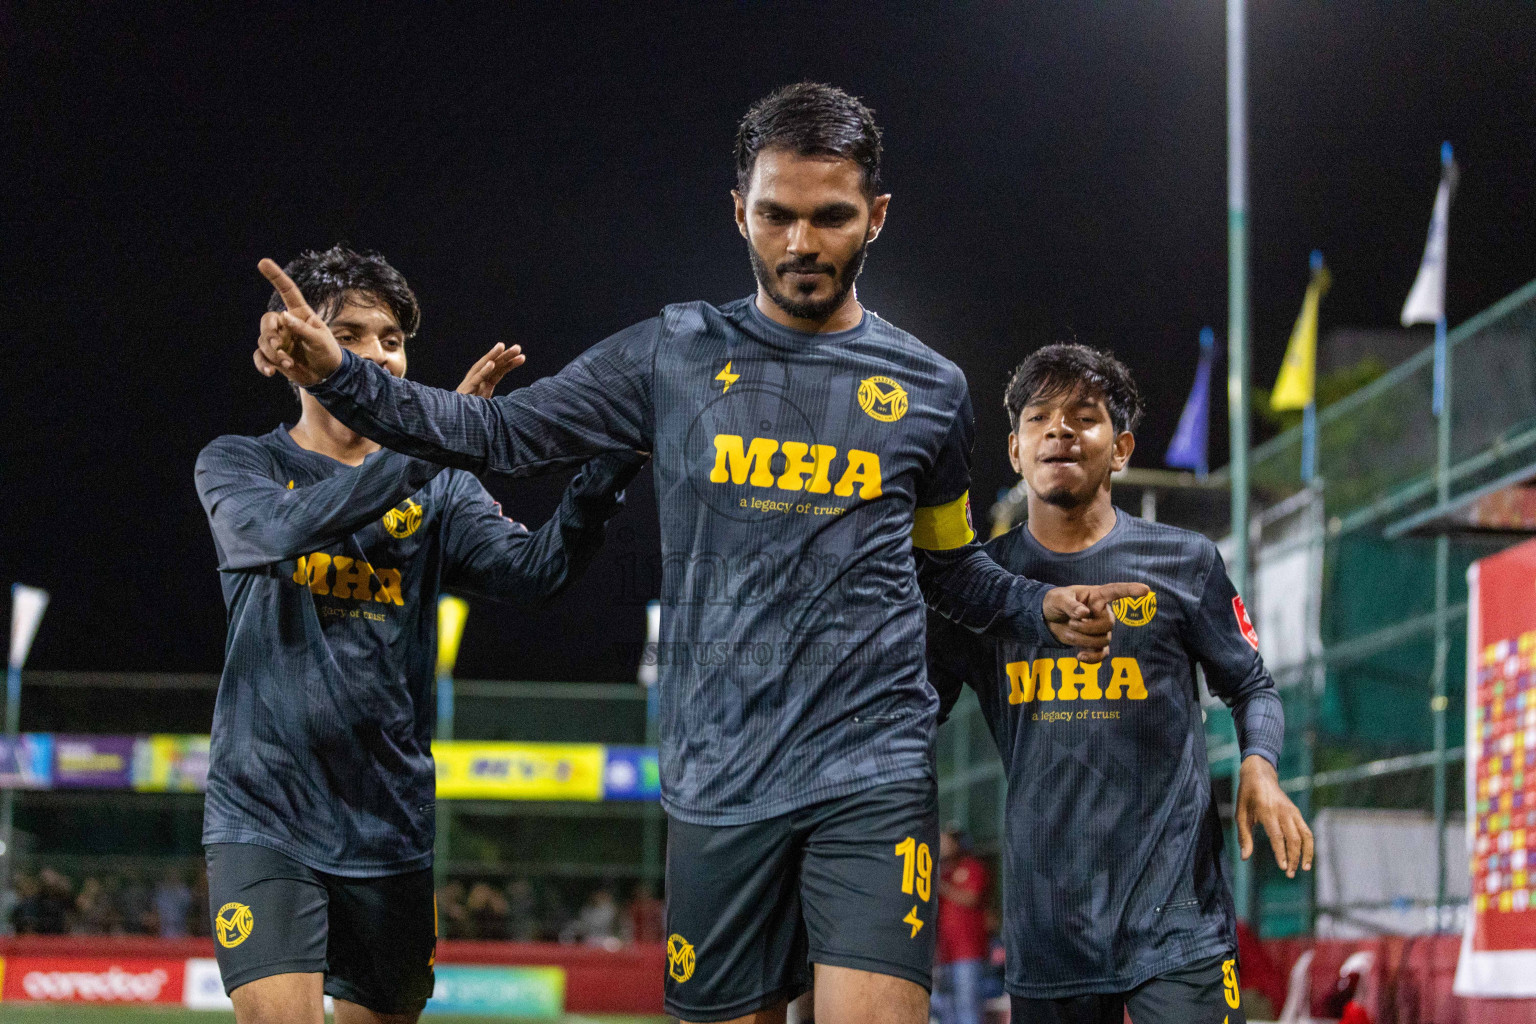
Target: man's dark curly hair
<point>812,120</point>
<point>1071,369</point>
<point>328,279</point>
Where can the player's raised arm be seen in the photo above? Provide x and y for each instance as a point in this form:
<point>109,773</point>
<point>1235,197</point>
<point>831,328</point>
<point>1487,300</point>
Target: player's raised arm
<point>1227,647</point>
<point>495,557</point>
<point>257,521</point>
<point>600,402</point>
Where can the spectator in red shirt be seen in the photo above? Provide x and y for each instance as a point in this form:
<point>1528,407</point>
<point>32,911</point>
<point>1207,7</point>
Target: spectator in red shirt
<point>647,916</point>
<point>962,952</point>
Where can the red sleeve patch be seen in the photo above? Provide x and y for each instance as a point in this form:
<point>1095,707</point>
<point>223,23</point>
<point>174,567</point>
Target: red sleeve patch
<point>1245,624</point>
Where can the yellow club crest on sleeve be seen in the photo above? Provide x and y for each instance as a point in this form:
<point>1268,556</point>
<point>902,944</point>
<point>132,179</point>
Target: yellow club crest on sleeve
<point>680,959</point>
<point>402,521</point>
<point>1136,611</point>
<point>233,925</point>
<point>883,399</point>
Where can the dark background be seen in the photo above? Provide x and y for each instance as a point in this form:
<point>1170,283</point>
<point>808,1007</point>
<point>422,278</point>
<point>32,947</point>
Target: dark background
<point>548,176</point>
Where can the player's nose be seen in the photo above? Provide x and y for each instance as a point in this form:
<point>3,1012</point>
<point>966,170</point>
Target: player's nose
<point>802,239</point>
<point>372,349</point>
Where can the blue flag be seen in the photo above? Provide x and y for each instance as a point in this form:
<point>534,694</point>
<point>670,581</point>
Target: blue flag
<point>1188,448</point>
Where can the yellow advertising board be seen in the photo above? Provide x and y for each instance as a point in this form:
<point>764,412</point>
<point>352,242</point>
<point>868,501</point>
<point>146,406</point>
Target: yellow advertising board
<point>170,763</point>
<point>473,770</point>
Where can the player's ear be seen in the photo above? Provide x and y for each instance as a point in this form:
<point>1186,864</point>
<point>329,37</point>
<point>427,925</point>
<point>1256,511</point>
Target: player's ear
<point>1125,444</point>
<point>741,213</point>
<point>1013,452</point>
<point>877,209</point>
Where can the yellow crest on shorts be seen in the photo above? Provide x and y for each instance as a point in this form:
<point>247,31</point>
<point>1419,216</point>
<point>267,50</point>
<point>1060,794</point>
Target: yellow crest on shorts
<point>402,522</point>
<point>883,398</point>
<point>680,960</point>
<point>1136,611</point>
<point>233,925</point>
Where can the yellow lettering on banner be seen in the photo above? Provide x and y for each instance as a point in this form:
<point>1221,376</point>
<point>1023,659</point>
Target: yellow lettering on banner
<point>352,576</point>
<point>754,459</point>
<point>1074,674</point>
<point>1127,674</point>
<point>312,571</point>
<point>797,466</point>
<point>472,770</point>
<point>389,586</point>
<point>863,469</point>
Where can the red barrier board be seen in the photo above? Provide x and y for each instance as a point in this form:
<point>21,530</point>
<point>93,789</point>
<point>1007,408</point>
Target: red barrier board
<point>67,979</point>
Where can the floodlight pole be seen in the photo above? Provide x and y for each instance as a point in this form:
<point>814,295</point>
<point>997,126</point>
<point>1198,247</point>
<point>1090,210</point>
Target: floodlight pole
<point>1237,352</point>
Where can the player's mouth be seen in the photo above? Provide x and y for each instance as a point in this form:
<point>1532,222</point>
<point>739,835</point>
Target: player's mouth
<point>797,274</point>
<point>1059,460</point>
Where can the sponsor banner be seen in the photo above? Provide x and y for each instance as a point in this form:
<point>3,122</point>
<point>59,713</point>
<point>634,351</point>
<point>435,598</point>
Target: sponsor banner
<point>92,762</point>
<point>26,761</point>
<point>175,764</point>
<point>632,773</point>
<point>518,771</point>
<point>499,991</point>
<point>203,988</point>
<point>66,979</point>
<point>466,769</point>
<point>1498,952</point>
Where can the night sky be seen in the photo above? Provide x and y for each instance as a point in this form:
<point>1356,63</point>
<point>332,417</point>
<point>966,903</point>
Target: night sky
<point>548,177</point>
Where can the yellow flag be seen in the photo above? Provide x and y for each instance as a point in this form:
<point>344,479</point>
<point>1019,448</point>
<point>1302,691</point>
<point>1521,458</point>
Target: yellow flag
<point>451,613</point>
<point>1298,374</point>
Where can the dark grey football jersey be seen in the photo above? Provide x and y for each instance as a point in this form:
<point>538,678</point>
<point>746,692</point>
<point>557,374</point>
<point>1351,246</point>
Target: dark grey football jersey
<point>322,728</point>
<point>1112,840</point>
<point>796,473</point>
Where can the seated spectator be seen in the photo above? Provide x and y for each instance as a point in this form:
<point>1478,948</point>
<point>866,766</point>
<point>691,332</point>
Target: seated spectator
<point>522,913</point>
<point>645,917</point>
<point>135,907</point>
<point>452,919</point>
<point>56,902</point>
<point>552,912</point>
<point>487,911</point>
<point>598,922</point>
<point>93,911</point>
<point>25,914</point>
<point>172,903</point>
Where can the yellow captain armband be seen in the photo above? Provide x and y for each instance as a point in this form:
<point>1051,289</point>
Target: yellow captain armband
<point>942,527</point>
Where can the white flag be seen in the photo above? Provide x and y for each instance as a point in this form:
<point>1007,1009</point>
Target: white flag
<point>1426,302</point>
<point>27,605</point>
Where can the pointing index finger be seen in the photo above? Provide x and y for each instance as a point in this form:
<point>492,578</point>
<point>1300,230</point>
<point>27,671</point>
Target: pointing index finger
<point>1112,592</point>
<point>291,296</point>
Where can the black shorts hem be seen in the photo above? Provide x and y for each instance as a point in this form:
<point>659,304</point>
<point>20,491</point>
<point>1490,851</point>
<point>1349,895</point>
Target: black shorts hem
<point>740,1008</point>
<point>340,988</point>
<point>875,965</point>
<point>1116,986</point>
<point>246,975</point>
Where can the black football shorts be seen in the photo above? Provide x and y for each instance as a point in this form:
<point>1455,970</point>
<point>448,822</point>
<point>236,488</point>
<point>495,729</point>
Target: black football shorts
<point>374,939</point>
<point>1205,992</point>
<point>851,882</point>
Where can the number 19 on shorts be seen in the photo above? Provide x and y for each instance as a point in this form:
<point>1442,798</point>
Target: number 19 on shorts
<point>916,877</point>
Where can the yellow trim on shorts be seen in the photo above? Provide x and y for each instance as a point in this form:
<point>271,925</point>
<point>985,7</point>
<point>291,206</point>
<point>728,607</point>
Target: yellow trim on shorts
<point>943,527</point>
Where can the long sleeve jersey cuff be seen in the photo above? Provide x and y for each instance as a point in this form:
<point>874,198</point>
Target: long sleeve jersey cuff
<point>337,383</point>
<point>597,492</point>
<point>1260,721</point>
